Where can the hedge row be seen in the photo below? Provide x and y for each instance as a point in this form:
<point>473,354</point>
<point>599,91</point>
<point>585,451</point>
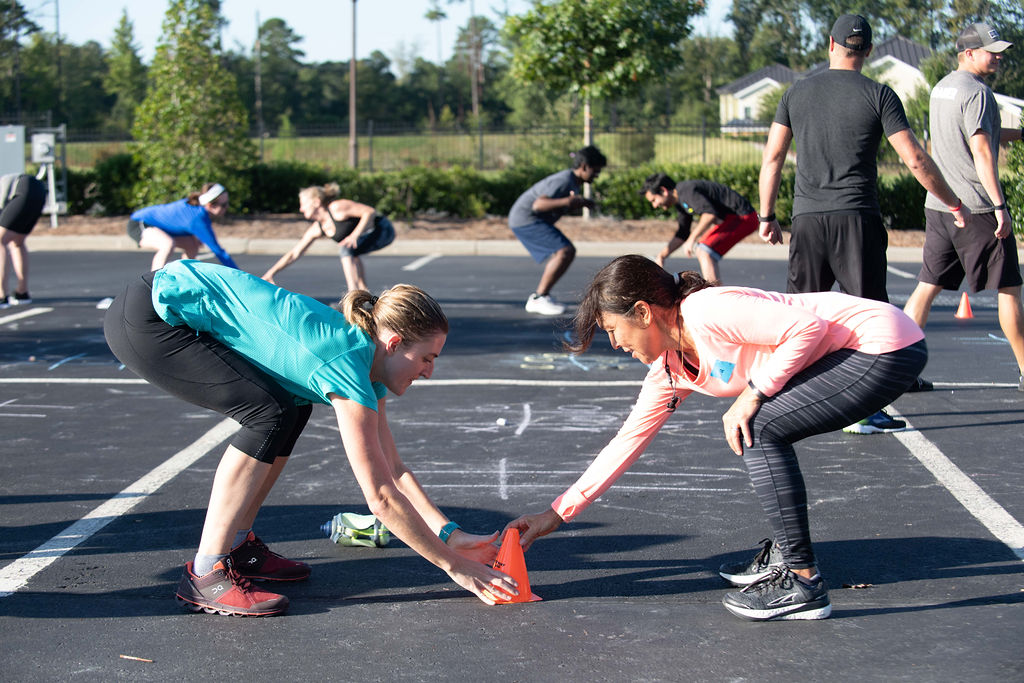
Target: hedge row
<point>107,189</point>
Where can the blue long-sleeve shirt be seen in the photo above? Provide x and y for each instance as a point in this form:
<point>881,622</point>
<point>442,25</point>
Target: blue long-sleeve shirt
<point>179,219</point>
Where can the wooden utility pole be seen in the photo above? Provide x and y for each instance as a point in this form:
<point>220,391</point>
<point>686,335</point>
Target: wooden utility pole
<point>259,85</point>
<point>353,141</point>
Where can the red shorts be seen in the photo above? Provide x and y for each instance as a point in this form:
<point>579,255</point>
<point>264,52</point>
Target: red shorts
<point>729,232</point>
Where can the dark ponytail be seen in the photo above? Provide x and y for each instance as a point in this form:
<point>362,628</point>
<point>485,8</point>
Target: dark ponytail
<point>619,285</point>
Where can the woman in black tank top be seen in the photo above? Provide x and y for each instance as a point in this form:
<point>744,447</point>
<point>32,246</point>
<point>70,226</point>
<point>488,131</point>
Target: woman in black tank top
<point>357,227</point>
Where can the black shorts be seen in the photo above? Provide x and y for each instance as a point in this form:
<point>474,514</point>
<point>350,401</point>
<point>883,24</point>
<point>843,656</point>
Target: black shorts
<point>846,248</point>
<point>199,369</point>
<point>134,230</point>
<point>974,252</point>
<point>23,209</point>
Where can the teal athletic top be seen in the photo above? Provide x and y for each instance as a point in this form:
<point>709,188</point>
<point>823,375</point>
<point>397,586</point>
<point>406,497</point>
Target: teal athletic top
<point>307,346</point>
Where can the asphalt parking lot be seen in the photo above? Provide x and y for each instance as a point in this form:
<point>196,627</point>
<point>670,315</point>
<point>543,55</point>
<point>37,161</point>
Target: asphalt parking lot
<point>104,480</point>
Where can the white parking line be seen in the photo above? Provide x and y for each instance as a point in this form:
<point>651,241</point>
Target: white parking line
<point>24,314</point>
<point>901,273</point>
<point>420,262</point>
<point>18,573</point>
<point>987,511</point>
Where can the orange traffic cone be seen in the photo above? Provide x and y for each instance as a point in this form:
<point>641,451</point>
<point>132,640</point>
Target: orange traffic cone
<point>510,560</point>
<point>964,312</point>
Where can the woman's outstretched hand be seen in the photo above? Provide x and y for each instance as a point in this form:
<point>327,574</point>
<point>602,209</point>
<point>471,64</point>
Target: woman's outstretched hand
<point>475,547</point>
<point>484,582</point>
<point>532,527</point>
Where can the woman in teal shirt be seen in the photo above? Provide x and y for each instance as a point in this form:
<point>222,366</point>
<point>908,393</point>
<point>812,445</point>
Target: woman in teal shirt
<point>229,341</point>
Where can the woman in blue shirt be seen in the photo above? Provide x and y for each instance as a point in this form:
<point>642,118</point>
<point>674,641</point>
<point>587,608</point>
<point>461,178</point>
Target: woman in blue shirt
<point>184,224</point>
<point>229,341</point>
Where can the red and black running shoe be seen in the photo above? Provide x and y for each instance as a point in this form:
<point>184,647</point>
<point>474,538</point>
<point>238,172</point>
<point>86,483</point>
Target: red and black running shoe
<point>224,591</point>
<point>255,561</point>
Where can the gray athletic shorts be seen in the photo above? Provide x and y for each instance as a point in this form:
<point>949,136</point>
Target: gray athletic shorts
<point>952,253</point>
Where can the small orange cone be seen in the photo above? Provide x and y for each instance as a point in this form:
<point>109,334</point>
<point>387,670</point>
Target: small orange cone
<point>964,312</point>
<point>510,561</point>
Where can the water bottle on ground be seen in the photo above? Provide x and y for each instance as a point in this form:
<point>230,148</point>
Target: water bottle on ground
<point>350,528</point>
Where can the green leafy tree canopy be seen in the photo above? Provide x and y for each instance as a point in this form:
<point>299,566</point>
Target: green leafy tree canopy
<point>598,48</point>
<point>191,128</point>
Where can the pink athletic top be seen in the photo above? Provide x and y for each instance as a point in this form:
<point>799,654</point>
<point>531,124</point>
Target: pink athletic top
<point>741,334</point>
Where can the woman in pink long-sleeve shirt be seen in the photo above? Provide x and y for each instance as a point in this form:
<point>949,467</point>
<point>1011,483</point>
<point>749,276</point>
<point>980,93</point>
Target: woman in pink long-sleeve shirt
<point>797,365</point>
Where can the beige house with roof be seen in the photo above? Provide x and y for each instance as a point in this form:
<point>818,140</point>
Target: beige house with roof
<point>895,62</point>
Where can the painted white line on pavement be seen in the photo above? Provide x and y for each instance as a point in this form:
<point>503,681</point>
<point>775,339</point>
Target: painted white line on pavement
<point>68,380</point>
<point>987,511</point>
<point>18,573</point>
<point>472,382</point>
<point>23,314</point>
<point>420,262</point>
<point>901,273</point>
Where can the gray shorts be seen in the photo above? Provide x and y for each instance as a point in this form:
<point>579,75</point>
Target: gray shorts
<point>952,254</point>
<point>541,239</point>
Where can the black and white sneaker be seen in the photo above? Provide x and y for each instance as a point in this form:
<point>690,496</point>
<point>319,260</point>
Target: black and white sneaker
<point>747,572</point>
<point>780,595</point>
<point>920,384</point>
<point>19,299</point>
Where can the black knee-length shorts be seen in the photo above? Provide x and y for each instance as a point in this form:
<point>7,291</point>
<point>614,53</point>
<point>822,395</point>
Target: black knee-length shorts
<point>199,369</point>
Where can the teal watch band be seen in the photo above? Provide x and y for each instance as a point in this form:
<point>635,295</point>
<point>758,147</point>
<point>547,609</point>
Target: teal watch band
<point>447,530</point>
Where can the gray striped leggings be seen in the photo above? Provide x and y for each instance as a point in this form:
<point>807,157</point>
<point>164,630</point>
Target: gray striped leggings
<point>836,391</point>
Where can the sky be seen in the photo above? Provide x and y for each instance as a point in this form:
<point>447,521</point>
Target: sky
<point>391,26</point>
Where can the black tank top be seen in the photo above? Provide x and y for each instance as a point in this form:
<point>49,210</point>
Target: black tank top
<point>342,229</point>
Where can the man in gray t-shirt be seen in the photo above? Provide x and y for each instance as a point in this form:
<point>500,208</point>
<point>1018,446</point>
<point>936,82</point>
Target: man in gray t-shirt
<point>532,220</point>
<point>966,131</point>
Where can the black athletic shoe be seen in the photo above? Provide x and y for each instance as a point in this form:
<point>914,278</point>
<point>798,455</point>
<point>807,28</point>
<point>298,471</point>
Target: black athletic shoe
<point>19,299</point>
<point>920,384</point>
<point>879,423</point>
<point>223,591</point>
<point>256,562</point>
<point>747,572</point>
<point>780,595</point>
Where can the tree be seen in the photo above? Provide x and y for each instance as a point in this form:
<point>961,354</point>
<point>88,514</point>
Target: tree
<point>598,48</point>
<point>126,76</point>
<point>191,127</point>
<point>84,66</point>
<point>279,63</point>
<point>436,15</point>
<point>14,23</point>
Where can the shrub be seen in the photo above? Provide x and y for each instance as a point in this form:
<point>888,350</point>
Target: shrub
<point>1013,185</point>
<point>902,201</point>
<point>113,182</point>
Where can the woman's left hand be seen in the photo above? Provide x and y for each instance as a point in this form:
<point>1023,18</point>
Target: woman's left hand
<point>474,546</point>
<point>737,421</point>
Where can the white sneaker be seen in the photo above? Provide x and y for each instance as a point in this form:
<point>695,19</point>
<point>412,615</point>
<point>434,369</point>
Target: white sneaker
<point>544,305</point>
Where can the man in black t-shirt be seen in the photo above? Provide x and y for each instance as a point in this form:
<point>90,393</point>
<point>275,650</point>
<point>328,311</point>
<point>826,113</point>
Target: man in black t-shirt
<point>726,217</point>
<point>838,118</point>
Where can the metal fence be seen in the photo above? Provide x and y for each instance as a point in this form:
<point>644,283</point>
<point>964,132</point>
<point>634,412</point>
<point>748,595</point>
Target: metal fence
<point>389,148</point>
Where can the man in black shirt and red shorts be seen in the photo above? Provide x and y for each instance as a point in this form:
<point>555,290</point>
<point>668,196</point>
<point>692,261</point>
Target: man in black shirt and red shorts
<point>726,217</point>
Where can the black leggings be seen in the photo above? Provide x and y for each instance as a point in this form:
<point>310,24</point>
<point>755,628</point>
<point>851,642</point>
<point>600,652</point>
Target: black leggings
<point>199,369</point>
<point>838,390</point>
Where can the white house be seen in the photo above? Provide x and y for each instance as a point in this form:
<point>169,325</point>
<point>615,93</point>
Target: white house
<point>895,62</point>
